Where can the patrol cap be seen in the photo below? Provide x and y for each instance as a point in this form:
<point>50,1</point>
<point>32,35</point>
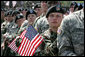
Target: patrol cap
<point>55,8</point>
<point>44,1</point>
<point>37,6</point>
<point>19,17</point>
<point>52,2</point>
<point>15,12</point>
<point>73,3</point>
<point>10,12</point>
<point>30,12</point>
<point>2,9</point>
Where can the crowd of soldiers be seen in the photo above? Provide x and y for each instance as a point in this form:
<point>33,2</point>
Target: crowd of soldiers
<point>61,29</point>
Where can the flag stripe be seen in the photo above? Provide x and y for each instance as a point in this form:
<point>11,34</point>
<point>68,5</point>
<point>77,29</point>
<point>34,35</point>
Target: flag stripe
<point>36,46</point>
<point>26,47</point>
<point>12,45</point>
<point>29,45</point>
<point>33,44</point>
<point>33,48</point>
<point>21,36</point>
<point>34,39</point>
<point>21,46</point>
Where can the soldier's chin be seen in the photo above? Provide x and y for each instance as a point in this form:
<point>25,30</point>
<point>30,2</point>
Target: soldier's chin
<point>54,25</point>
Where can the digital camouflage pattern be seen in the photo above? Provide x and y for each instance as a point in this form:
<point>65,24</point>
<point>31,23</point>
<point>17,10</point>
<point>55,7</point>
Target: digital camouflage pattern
<point>70,40</point>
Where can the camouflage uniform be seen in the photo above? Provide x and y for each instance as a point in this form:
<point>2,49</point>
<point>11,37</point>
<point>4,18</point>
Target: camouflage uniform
<point>42,24</point>
<point>20,30</point>
<point>49,46</point>
<point>37,19</point>
<point>23,27</point>
<point>3,29</point>
<point>70,40</point>
<point>11,29</point>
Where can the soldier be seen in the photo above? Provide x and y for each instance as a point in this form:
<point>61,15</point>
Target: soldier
<point>41,23</point>
<point>38,9</point>
<point>73,7</point>
<point>21,22</point>
<point>54,16</point>
<point>70,40</point>
<point>11,29</point>
<point>15,13</point>
<point>3,30</point>
<point>30,16</point>
<point>2,15</point>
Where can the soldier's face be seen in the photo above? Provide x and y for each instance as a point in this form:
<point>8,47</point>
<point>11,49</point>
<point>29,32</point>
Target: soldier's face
<point>19,22</point>
<point>72,8</point>
<point>31,18</point>
<point>55,19</point>
<point>2,14</point>
<point>38,11</point>
<point>44,6</point>
<point>10,18</point>
<point>24,13</point>
<point>5,18</point>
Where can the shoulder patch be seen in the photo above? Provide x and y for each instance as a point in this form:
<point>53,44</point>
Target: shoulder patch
<point>59,30</point>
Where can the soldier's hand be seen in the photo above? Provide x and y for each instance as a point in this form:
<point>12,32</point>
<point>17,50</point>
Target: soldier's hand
<point>4,36</point>
<point>3,45</point>
<point>18,42</point>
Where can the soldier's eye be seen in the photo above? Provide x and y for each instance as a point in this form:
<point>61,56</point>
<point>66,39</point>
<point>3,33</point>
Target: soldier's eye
<point>51,15</point>
<point>57,16</point>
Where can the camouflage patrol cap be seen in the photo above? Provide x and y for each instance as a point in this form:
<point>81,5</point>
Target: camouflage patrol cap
<point>73,3</point>
<point>15,12</point>
<point>19,17</point>
<point>10,12</point>
<point>2,9</point>
<point>55,8</point>
<point>30,12</point>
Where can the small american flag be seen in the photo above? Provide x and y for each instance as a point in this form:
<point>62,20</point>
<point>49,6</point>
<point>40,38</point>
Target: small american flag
<point>13,46</point>
<point>31,40</point>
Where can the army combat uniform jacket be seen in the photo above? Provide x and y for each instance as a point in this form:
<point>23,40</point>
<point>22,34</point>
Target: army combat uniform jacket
<point>42,24</point>
<point>70,40</point>
<point>49,43</point>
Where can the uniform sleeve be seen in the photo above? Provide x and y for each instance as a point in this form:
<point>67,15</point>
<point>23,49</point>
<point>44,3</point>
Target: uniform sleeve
<point>21,30</point>
<point>64,42</point>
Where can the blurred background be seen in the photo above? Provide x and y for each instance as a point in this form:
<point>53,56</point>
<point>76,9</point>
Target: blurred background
<point>30,4</point>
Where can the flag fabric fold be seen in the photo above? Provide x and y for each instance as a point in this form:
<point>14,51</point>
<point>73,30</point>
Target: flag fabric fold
<point>31,39</point>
